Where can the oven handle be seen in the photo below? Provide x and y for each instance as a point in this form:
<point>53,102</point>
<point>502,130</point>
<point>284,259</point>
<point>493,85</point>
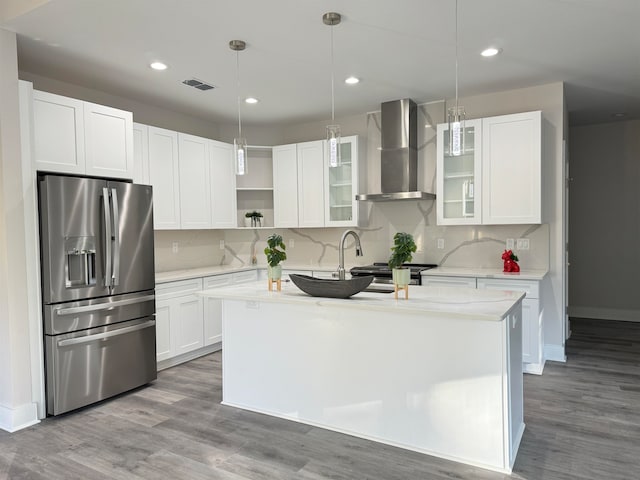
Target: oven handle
<point>102,336</point>
<point>104,306</point>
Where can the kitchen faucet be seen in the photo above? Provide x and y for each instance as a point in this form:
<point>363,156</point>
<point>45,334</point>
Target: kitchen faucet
<point>341,274</point>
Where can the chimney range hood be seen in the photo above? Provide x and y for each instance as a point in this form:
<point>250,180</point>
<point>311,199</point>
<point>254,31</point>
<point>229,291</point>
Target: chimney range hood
<point>399,156</point>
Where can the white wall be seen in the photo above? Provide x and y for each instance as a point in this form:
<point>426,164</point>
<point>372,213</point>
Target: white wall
<point>604,221</point>
<point>16,406</point>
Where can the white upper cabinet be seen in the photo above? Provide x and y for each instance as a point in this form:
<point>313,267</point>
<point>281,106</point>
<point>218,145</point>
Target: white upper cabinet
<point>459,198</point>
<point>285,186</point>
<point>512,169</point>
<point>165,178</point>
<point>108,134</point>
<point>223,185</point>
<point>72,136</point>
<point>341,184</point>
<point>498,177</point>
<point>311,184</point>
<point>58,133</point>
<point>140,154</point>
<point>195,182</point>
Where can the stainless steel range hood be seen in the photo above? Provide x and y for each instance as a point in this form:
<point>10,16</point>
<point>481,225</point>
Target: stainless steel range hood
<point>399,156</point>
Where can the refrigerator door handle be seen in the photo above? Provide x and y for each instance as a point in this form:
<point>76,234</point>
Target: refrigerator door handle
<point>107,237</point>
<point>102,336</point>
<point>103,306</point>
<point>116,237</point>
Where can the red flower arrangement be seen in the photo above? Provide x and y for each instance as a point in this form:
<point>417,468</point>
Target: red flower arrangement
<point>510,260</point>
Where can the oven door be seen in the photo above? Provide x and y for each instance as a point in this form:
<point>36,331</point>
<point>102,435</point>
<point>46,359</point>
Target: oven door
<point>91,365</point>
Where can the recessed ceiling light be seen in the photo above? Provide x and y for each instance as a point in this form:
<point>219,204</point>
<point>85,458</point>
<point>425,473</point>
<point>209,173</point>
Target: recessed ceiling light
<point>352,80</point>
<point>251,100</point>
<point>490,52</point>
<point>619,115</point>
<point>158,66</point>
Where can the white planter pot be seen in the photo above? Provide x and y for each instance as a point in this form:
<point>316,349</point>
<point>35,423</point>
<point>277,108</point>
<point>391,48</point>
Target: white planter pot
<point>274,273</point>
<point>247,222</point>
<point>401,276</point>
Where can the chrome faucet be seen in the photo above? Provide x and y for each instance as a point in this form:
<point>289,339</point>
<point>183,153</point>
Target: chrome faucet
<point>341,274</point>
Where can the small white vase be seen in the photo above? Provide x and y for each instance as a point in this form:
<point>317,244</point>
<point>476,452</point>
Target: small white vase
<point>274,273</point>
<point>247,222</point>
<point>401,276</point>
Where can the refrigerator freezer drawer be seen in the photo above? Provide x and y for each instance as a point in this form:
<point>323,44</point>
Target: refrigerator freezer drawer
<point>72,316</point>
<point>89,366</point>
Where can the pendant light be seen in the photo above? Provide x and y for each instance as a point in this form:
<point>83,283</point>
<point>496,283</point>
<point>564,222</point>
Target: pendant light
<point>239,143</point>
<point>333,130</point>
<point>456,115</point>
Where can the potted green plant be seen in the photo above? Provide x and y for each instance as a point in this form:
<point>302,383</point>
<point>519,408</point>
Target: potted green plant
<point>255,218</point>
<point>401,252</point>
<point>275,252</point>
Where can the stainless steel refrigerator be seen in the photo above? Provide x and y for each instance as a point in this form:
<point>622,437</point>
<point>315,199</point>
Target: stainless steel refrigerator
<point>96,242</point>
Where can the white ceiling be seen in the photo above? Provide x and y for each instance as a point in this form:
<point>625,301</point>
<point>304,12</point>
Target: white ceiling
<point>400,48</point>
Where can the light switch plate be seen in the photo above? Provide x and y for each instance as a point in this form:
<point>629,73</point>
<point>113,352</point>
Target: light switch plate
<point>441,243</point>
<point>510,245</point>
<point>174,247</point>
<point>221,244</point>
<point>523,244</point>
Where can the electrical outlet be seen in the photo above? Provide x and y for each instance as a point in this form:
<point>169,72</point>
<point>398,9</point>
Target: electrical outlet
<point>510,244</point>
<point>221,244</point>
<point>292,243</point>
<point>441,243</point>
<point>174,247</point>
<point>523,244</point>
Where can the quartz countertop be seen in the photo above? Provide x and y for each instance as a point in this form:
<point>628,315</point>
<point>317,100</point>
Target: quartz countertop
<point>188,273</point>
<point>524,274</point>
<point>467,303</point>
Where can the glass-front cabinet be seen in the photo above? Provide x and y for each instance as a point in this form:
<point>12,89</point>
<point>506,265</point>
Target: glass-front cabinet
<point>459,176</point>
<point>342,185</point>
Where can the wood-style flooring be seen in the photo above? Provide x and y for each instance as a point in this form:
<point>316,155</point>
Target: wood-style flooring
<point>582,417</point>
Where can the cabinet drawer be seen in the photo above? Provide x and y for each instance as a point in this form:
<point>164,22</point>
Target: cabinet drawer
<point>181,287</point>
<point>246,276</point>
<point>433,281</point>
<point>531,288</point>
<point>218,281</point>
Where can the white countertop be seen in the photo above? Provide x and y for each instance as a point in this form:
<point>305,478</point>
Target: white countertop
<point>454,302</point>
<point>188,273</point>
<point>485,273</point>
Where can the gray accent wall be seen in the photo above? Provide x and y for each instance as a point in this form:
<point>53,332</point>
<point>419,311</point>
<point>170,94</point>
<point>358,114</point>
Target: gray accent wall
<point>604,221</point>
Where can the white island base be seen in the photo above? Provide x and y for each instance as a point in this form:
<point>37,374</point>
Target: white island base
<point>440,373</point>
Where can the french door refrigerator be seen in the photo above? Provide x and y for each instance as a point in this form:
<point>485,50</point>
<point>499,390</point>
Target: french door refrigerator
<point>96,242</point>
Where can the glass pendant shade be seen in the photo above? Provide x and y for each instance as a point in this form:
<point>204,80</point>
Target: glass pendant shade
<point>240,155</point>
<point>456,117</point>
<point>333,145</point>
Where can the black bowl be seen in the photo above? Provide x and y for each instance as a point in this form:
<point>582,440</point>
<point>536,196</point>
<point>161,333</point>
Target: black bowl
<point>328,287</point>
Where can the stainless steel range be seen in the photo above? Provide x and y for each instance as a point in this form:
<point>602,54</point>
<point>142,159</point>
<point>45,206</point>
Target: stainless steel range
<point>382,273</point>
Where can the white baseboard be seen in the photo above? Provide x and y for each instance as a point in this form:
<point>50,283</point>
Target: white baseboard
<point>14,419</point>
<point>186,357</point>
<point>533,368</point>
<point>605,313</point>
<point>555,353</point>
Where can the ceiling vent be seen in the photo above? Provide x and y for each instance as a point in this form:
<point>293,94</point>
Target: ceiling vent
<point>195,83</point>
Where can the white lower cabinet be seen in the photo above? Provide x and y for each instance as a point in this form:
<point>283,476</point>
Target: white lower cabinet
<point>179,318</point>
<point>532,313</point>
<point>213,307</point>
<point>469,282</point>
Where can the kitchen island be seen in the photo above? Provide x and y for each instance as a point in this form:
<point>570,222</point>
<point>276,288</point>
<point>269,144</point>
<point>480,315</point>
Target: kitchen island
<point>440,373</point>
